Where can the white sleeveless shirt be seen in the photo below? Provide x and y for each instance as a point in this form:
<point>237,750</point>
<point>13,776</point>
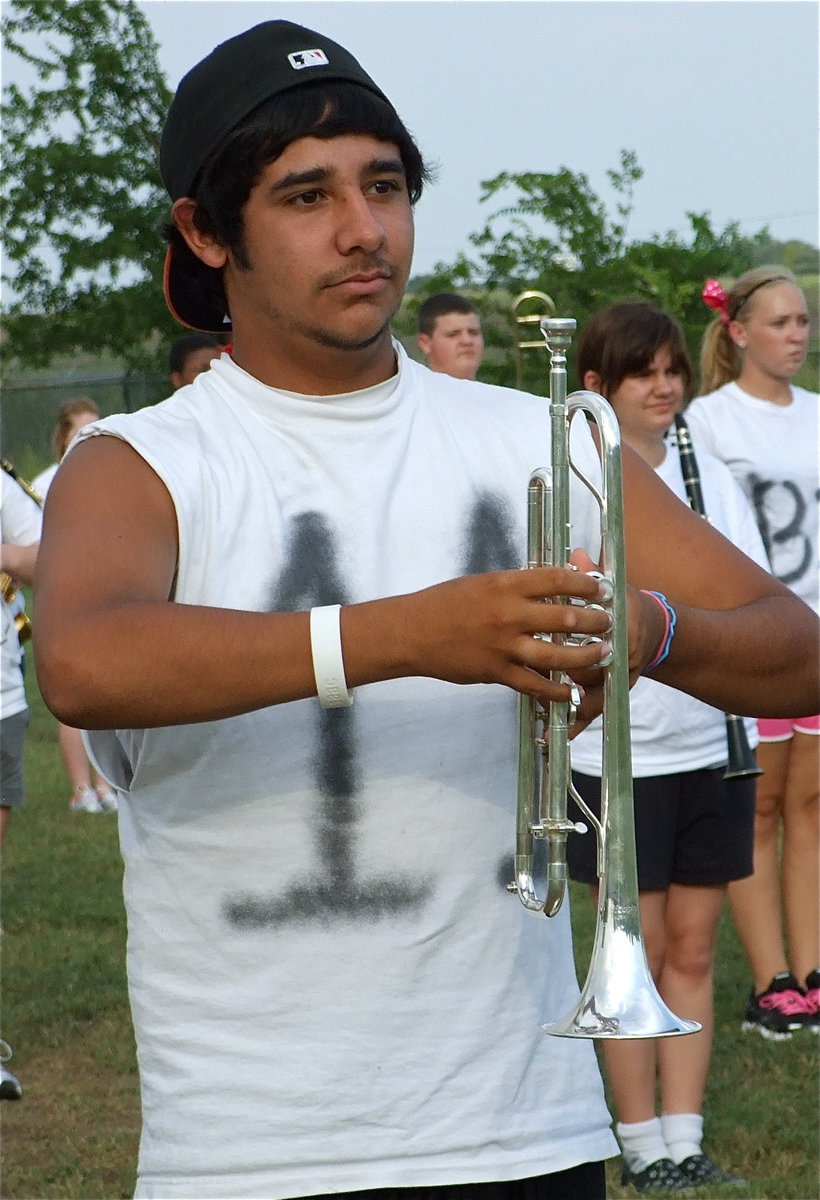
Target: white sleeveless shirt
<point>331,988</point>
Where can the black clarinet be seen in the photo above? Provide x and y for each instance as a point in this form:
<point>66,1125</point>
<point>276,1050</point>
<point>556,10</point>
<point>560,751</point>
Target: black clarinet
<point>741,761</point>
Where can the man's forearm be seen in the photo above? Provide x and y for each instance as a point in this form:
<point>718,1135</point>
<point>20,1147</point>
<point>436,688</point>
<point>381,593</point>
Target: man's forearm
<point>144,663</point>
<point>759,660</point>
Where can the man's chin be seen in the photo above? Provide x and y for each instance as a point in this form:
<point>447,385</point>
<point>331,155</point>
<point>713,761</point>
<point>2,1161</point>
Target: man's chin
<point>333,339</point>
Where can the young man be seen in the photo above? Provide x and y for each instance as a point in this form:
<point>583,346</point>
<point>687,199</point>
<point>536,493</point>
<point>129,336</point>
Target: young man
<point>190,355</point>
<point>449,335</point>
<point>332,989</point>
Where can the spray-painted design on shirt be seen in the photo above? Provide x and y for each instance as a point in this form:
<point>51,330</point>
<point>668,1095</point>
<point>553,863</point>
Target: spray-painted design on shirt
<point>784,515</point>
<point>340,887</point>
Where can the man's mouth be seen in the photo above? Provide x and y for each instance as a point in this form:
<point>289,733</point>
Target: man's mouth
<point>371,279</point>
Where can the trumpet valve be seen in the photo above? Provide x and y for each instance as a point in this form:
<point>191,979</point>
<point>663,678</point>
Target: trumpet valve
<point>556,828</point>
<point>605,584</point>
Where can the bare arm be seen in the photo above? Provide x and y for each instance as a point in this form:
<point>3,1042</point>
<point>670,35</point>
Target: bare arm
<point>744,642</point>
<point>112,650</point>
<point>19,561</point>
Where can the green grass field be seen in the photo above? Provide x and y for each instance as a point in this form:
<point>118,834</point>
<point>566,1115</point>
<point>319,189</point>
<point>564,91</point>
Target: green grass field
<point>65,1012</point>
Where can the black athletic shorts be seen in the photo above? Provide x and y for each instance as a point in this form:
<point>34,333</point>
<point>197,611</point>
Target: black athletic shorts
<point>694,827</point>
<point>584,1182</point>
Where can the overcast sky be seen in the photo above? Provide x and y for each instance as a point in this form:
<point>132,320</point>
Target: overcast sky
<point>718,98</point>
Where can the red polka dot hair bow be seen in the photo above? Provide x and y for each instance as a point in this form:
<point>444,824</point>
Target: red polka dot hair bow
<point>714,295</point>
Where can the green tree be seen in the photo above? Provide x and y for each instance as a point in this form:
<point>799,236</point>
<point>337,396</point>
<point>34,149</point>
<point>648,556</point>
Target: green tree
<point>556,235</point>
<point>82,202</point>
<point>798,256</point>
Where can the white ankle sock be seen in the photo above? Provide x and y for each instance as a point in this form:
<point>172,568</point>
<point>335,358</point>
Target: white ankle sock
<point>642,1143</point>
<point>683,1133</point>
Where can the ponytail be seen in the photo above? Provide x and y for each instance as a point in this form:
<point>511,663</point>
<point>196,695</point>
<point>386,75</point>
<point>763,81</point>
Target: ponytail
<point>720,359</point>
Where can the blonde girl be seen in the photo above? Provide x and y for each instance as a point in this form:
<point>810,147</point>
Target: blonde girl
<point>765,428</point>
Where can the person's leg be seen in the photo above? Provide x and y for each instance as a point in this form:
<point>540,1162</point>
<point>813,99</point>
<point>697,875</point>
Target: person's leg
<point>631,1066</point>
<point>632,1071</point>
<point>715,845</point>
<point>74,757</point>
<point>83,796</point>
<point>755,902</point>
<point>801,855</point>
<point>12,741</point>
<point>686,984</point>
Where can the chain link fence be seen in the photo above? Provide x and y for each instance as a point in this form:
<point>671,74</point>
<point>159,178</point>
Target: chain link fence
<point>29,407</point>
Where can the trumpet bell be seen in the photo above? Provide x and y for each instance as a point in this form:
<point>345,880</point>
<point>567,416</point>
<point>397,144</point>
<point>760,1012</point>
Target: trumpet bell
<point>619,999</point>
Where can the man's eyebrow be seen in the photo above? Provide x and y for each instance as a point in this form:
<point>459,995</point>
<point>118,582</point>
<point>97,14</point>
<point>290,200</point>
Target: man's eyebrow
<point>376,166</point>
<point>384,166</point>
<point>300,179</point>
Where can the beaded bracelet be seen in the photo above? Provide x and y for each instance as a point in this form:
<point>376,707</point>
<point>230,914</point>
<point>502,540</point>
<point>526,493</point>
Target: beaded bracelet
<point>671,618</point>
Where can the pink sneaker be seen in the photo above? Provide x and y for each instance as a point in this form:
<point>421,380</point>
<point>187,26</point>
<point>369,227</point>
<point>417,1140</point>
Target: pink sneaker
<point>780,1010</point>
<point>813,999</point>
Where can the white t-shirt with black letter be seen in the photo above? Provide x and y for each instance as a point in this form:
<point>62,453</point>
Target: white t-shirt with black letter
<point>773,451</point>
<point>332,989</point>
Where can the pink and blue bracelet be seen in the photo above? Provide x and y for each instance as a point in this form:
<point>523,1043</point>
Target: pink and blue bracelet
<point>671,618</point>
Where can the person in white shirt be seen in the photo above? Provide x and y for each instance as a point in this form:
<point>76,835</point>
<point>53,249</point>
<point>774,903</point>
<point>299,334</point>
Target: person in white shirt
<point>765,428</point>
<point>303,561</point>
<point>20,523</point>
<point>693,827</point>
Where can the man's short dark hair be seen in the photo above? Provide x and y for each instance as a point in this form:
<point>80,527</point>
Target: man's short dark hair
<point>186,345</point>
<point>221,190</point>
<point>441,305</point>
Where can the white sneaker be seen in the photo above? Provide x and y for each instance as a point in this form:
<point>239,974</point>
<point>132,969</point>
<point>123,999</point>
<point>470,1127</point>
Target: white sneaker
<point>85,800</point>
<point>107,800</point>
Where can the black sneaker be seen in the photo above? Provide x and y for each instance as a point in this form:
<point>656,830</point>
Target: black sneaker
<point>779,1011</point>
<point>10,1086</point>
<point>662,1178</point>
<point>699,1169</point>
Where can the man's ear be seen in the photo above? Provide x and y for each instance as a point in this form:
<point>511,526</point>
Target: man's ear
<point>592,382</point>
<point>423,340</point>
<point>205,247</point>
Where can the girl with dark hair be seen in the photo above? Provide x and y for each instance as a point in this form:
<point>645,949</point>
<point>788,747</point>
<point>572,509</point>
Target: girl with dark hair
<point>693,827</point>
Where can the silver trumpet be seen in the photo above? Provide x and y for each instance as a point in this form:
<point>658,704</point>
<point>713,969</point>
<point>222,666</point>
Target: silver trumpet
<point>619,998</point>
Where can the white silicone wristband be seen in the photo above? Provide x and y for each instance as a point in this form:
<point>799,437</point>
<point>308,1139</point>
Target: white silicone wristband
<point>328,664</point>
